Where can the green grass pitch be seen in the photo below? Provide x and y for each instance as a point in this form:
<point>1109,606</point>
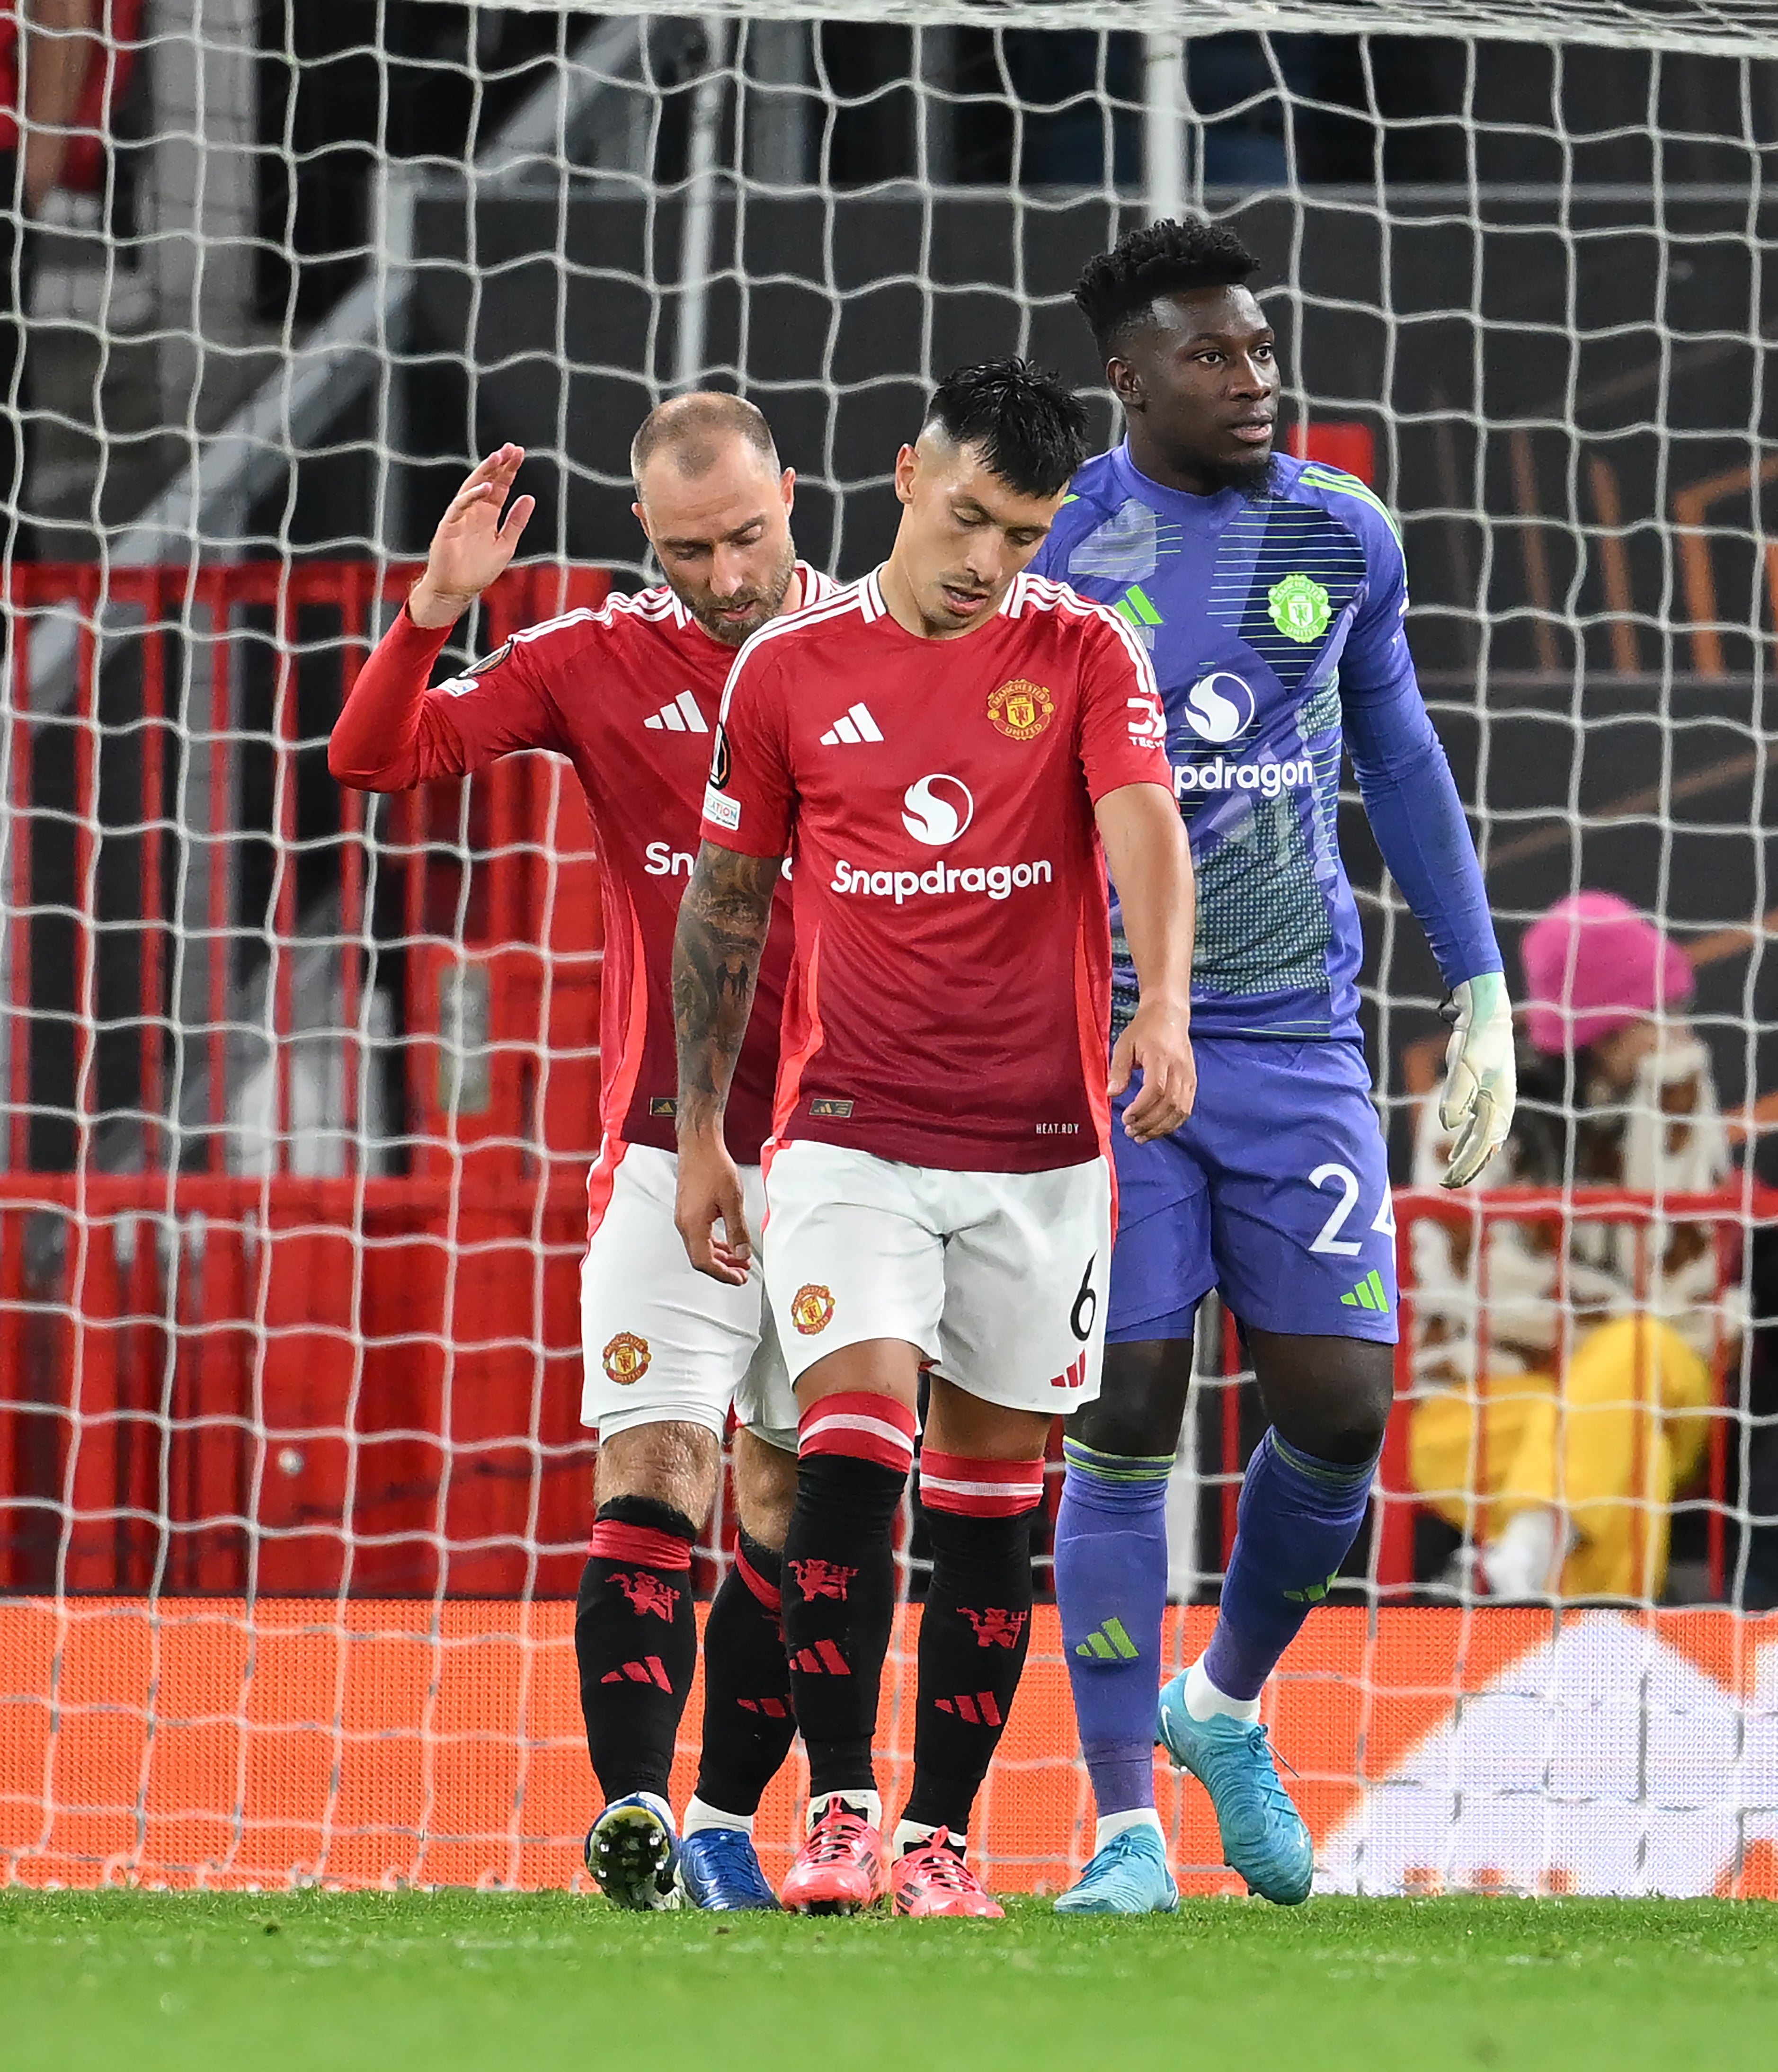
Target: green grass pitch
<point>137,1981</point>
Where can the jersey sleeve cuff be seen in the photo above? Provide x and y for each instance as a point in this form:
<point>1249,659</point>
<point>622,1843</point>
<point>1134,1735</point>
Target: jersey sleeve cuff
<point>723,824</point>
<point>1103,786</point>
<point>420,643</point>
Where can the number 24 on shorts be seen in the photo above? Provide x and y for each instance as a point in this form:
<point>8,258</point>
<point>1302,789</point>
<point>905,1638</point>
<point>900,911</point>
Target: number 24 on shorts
<point>1328,1238</point>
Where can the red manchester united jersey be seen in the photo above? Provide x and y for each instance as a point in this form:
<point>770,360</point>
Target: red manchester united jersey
<point>950,1001</point>
<point>630,694</point>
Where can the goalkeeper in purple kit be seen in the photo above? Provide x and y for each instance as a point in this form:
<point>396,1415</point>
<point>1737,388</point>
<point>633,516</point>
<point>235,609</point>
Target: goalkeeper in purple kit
<point>1272,593</point>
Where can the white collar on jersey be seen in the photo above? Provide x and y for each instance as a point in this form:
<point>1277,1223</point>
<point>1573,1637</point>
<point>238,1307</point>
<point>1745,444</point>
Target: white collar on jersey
<point>872,606</point>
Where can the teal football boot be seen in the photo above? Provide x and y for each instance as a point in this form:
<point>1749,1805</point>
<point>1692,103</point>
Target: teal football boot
<point>1263,1835</point>
<point>1128,1875</point>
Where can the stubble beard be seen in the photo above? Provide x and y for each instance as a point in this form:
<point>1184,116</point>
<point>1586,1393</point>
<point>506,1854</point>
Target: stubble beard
<point>1252,478</point>
<point>770,596</point>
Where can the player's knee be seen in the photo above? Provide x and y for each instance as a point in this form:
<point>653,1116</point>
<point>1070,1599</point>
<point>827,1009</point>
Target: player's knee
<point>1330,1397</point>
<point>765,1489</point>
<point>1371,1400</point>
<point>673,1463</point>
<point>1345,1426</point>
<point>1141,1404</point>
<point>1142,1428</point>
<point>1350,1441</point>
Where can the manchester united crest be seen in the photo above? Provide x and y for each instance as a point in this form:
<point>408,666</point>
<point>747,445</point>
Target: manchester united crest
<point>812,1309</point>
<point>1299,608</point>
<point>627,1358</point>
<point>1020,709</point>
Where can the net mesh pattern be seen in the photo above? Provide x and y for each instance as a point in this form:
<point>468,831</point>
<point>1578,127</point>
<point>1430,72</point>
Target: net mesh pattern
<point>300,1087</point>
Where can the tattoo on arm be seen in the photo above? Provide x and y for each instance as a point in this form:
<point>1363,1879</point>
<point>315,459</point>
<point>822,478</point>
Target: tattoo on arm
<point>723,920</point>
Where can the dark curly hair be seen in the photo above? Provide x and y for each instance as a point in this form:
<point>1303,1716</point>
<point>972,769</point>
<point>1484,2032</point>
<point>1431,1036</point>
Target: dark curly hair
<point>1030,427</point>
<point>1117,289</point>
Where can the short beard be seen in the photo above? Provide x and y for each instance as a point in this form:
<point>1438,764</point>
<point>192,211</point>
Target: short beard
<point>1252,478</point>
<point>772,594</point>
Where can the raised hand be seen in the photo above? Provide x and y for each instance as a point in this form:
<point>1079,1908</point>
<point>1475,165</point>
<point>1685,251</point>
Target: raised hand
<point>472,544</point>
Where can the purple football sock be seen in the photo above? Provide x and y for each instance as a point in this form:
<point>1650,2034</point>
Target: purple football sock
<point>1298,1517</point>
<point>1112,1592</point>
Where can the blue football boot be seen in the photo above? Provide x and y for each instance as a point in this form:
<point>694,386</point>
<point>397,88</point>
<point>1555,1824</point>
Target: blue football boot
<point>1263,1836</point>
<point>1128,1875</point>
<point>719,1870</point>
<point>631,1849</point>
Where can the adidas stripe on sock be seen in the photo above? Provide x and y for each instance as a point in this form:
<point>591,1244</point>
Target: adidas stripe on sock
<point>1112,1592</point>
<point>854,1450</point>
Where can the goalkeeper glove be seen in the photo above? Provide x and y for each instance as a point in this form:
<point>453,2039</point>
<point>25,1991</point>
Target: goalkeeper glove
<point>1480,1081</point>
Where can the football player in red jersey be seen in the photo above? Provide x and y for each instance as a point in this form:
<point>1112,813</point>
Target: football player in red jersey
<point>629,693</point>
<point>951,751</point>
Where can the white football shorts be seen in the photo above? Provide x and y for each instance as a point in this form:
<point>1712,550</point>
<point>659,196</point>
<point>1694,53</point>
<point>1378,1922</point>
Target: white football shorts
<point>663,1344</point>
<point>999,1278</point>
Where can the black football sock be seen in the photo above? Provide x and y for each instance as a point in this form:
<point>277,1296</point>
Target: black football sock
<point>974,1629</point>
<point>748,1720</point>
<point>635,1642</point>
<point>856,1450</point>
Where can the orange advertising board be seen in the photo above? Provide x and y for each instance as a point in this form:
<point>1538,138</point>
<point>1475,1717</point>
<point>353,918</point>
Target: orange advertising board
<point>202,1741</point>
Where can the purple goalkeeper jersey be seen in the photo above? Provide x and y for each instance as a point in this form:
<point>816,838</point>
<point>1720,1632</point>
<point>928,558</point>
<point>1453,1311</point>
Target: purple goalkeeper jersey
<point>1275,624</point>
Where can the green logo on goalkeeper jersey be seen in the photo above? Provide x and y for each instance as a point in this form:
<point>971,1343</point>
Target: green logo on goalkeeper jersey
<point>1370,1294</point>
<point>1111,1643</point>
<point>1300,608</point>
<point>1138,607</point>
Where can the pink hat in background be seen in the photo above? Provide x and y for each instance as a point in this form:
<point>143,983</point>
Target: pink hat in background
<point>1592,966</point>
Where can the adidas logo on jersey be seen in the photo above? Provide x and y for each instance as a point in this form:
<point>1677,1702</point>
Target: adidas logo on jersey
<point>854,727</point>
<point>681,717</point>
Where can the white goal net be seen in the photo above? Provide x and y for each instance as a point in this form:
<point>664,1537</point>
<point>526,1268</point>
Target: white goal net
<point>300,1090</point>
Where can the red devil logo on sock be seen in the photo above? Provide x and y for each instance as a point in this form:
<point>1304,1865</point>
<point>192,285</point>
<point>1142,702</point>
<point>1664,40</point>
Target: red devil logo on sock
<point>822,1579</point>
<point>647,1593</point>
<point>995,1628</point>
